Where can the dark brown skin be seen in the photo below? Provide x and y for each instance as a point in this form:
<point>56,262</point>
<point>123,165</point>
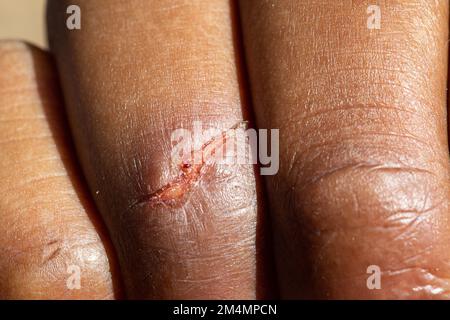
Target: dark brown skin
<point>145,79</point>
<point>364,169</point>
<point>364,160</point>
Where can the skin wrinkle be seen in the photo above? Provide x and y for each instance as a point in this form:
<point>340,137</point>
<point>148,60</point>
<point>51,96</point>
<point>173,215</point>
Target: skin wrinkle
<point>302,167</point>
<point>362,138</point>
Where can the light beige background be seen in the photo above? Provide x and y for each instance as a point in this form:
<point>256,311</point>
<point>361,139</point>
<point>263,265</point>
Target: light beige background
<point>24,20</point>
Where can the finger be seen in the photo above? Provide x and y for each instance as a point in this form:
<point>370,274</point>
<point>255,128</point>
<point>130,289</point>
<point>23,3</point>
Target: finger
<point>129,83</point>
<point>364,168</point>
<point>52,244</point>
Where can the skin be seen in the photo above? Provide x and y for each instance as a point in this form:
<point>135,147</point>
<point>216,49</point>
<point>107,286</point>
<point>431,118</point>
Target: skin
<point>206,245</point>
<point>364,169</point>
<point>364,160</point>
<point>48,222</point>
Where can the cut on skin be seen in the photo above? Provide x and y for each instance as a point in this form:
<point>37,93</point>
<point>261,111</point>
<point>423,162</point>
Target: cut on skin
<point>191,170</point>
<point>128,84</point>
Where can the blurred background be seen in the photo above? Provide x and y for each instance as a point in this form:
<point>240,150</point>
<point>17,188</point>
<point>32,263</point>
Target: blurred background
<point>24,20</point>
